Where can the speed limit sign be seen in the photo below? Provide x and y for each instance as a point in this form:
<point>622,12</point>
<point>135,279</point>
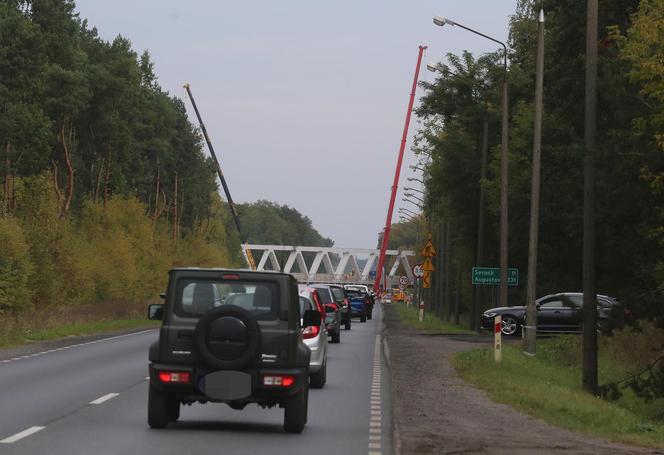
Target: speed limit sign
<point>403,280</point>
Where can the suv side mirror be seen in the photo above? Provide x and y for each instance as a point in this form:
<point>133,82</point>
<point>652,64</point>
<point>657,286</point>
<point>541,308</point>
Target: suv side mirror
<point>156,312</point>
<point>311,318</point>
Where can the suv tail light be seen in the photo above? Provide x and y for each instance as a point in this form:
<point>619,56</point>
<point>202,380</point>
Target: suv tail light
<point>310,332</point>
<point>174,377</point>
<point>278,380</point>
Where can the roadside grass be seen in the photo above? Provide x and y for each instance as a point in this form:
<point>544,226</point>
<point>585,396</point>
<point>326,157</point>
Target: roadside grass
<point>548,386</point>
<point>409,315</point>
<point>55,323</point>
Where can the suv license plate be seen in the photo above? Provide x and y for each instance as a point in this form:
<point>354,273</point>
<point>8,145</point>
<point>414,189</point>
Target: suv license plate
<point>227,385</point>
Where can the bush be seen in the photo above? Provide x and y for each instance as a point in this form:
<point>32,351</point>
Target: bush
<point>15,267</point>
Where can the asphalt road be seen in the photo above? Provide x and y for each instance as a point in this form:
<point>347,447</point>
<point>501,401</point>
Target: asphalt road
<point>92,399</point>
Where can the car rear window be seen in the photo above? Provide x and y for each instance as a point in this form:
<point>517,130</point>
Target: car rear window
<point>324,294</point>
<point>305,304</point>
<point>195,297</point>
<point>338,293</point>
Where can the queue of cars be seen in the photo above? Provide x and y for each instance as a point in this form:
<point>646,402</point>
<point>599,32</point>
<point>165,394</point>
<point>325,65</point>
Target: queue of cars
<point>240,337</point>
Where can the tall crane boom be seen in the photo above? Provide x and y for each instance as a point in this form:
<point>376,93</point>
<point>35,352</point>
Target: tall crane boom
<point>247,253</point>
<point>397,173</point>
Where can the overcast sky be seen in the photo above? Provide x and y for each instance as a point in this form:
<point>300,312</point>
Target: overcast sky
<point>304,100</point>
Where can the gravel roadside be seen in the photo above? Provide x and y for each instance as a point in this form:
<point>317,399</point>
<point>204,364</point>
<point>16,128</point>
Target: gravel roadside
<point>436,412</point>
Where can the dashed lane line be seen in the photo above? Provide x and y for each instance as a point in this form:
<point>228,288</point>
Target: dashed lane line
<point>21,435</point>
<point>104,398</point>
<point>375,406</point>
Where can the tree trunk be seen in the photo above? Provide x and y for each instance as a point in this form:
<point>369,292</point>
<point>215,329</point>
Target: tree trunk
<point>98,185</point>
<point>66,135</point>
<point>175,208</point>
<point>107,179</point>
<point>8,164</point>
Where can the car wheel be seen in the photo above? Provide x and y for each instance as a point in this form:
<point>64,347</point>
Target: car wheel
<point>363,318</point>
<point>158,408</point>
<point>336,336</point>
<point>510,325</point>
<point>318,379</point>
<point>173,409</point>
<point>295,411</point>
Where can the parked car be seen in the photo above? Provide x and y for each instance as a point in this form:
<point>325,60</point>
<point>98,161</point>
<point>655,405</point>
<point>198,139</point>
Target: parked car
<point>335,294</point>
<point>238,340</point>
<point>359,304</point>
<point>315,337</point>
<point>330,312</point>
<point>368,295</point>
<point>555,313</point>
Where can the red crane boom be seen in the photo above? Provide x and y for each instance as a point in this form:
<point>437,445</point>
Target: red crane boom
<point>397,173</point>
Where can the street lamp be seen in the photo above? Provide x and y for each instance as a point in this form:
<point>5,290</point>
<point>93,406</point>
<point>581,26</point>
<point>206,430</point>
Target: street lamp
<point>414,203</point>
<point>409,212</point>
<point>441,21</point>
<point>414,197</point>
<point>414,167</point>
<point>413,179</point>
<point>413,189</point>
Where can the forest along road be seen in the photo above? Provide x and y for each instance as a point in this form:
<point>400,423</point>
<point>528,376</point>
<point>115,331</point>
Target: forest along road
<point>92,398</point>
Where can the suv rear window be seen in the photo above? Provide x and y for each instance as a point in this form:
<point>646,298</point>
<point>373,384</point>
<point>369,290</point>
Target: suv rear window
<point>195,297</point>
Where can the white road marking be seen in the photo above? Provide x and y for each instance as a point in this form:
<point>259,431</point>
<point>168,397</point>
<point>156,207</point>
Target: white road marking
<point>71,346</point>
<point>21,435</point>
<point>375,411</point>
<point>106,397</point>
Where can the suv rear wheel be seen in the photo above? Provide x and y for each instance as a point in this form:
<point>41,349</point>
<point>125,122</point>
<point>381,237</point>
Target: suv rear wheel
<point>295,411</point>
<point>162,408</point>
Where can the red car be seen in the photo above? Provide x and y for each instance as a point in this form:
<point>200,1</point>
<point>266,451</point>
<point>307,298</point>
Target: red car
<point>329,313</point>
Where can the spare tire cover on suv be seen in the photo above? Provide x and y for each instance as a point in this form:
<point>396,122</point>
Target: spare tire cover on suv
<point>227,338</point>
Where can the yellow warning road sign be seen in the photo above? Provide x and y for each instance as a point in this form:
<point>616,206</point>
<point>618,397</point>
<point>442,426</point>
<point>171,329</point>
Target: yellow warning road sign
<point>426,280</point>
<point>427,265</point>
<point>428,251</point>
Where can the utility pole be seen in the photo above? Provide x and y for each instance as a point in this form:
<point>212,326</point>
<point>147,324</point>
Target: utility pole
<point>530,329</point>
<point>446,270</point>
<point>397,173</point>
<point>589,291</point>
<point>477,297</point>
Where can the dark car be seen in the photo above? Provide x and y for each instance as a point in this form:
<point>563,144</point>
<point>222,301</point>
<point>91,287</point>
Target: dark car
<point>369,297</point>
<point>555,313</point>
<point>335,294</point>
<point>231,337</point>
<point>359,304</point>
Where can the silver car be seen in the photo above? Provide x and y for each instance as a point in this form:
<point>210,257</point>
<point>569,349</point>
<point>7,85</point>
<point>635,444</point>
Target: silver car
<point>315,337</point>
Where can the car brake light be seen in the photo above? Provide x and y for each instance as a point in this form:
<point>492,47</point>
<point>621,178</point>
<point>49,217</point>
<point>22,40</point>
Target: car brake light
<point>230,276</point>
<point>310,332</point>
<point>174,377</point>
<point>278,380</point>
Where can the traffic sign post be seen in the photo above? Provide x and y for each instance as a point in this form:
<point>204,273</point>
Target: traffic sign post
<point>491,276</point>
<point>417,271</point>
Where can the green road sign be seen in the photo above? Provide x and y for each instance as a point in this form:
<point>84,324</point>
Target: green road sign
<point>491,276</point>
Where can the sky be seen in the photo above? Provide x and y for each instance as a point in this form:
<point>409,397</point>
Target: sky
<point>304,100</point>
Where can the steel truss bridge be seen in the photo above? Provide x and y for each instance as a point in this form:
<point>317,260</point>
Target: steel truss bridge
<point>311,264</point>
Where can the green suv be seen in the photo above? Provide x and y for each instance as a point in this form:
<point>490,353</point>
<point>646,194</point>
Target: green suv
<point>230,336</point>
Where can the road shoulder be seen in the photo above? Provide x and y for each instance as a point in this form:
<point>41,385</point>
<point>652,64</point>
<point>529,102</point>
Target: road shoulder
<point>29,349</point>
<point>435,411</point>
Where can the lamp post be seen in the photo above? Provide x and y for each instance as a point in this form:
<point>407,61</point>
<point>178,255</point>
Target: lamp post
<point>413,189</point>
<point>441,21</point>
<point>406,211</point>
<point>414,203</point>
<point>413,179</point>
<point>413,196</point>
